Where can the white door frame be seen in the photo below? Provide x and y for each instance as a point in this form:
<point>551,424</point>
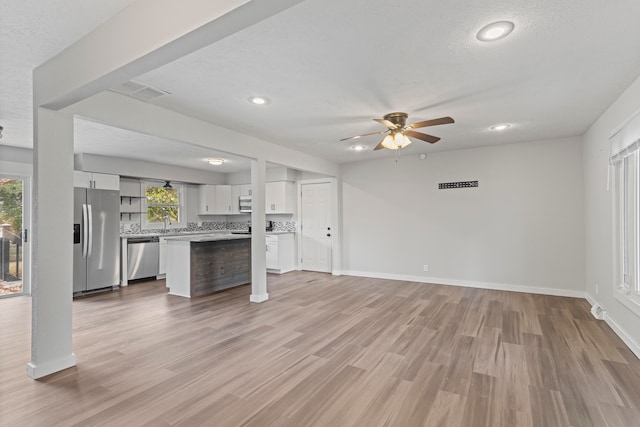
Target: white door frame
<point>336,230</point>
<point>26,225</point>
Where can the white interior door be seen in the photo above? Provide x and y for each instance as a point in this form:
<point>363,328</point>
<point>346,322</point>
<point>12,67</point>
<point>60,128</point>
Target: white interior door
<point>316,227</point>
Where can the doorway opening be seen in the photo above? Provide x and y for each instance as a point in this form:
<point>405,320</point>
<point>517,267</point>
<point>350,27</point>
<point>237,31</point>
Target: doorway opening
<point>12,192</point>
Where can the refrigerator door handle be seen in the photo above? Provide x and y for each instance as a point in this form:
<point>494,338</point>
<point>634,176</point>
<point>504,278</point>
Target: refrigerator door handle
<point>85,230</point>
<point>90,230</point>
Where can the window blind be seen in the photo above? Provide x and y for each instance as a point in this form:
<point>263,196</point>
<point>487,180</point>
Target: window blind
<point>626,141</point>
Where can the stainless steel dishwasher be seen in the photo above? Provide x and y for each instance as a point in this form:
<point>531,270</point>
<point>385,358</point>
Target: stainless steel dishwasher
<point>142,257</point>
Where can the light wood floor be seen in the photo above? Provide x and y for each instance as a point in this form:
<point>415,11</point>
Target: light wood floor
<point>325,351</point>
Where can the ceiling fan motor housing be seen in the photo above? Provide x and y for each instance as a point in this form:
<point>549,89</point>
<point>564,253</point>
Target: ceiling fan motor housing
<point>398,119</point>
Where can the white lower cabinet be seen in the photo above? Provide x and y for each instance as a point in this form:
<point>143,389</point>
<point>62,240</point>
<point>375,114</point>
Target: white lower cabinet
<point>272,252</point>
<point>162,256</point>
<point>281,255</point>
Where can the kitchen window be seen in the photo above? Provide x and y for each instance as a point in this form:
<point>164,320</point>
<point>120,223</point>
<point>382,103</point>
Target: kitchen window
<point>625,160</point>
<point>163,207</point>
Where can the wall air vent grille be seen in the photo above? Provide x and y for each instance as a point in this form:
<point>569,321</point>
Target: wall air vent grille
<point>460,184</point>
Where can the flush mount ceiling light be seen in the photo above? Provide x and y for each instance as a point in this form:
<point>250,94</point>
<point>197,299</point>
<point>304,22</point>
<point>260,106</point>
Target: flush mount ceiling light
<point>215,162</point>
<point>501,126</point>
<point>259,100</point>
<point>358,147</point>
<point>495,31</point>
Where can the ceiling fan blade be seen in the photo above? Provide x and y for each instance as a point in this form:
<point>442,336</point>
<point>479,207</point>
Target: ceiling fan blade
<point>387,123</point>
<point>422,136</point>
<point>364,134</point>
<point>433,122</point>
<point>379,146</point>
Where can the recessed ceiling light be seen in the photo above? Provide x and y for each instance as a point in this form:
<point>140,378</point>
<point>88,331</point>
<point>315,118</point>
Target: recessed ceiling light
<point>495,31</point>
<point>358,147</point>
<point>215,162</point>
<point>502,126</point>
<point>259,100</point>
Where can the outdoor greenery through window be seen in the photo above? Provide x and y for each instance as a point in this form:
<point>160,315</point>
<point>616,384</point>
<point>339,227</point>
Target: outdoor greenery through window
<point>163,204</point>
<point>11,204</point>
<point>11,197</point>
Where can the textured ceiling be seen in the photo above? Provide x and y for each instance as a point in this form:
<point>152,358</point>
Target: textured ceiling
<point>96,138</point>
<point>32,31</point>
<point>330,66</point>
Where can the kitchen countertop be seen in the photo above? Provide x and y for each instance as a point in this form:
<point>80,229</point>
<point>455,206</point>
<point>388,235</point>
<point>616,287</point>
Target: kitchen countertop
<point>208,237</point>
<point>193,233</point>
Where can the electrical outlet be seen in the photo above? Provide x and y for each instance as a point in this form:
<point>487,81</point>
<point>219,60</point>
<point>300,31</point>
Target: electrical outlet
<point>597,291</point>
<point>426,267</point>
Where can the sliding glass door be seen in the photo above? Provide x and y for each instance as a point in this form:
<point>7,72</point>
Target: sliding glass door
<point>12,233</point>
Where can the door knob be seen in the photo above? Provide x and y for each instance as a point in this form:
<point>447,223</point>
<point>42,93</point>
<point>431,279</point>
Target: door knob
<point>328,234</point>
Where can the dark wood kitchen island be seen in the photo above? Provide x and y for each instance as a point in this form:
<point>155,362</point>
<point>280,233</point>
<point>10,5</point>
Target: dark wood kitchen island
<point>200,265</point>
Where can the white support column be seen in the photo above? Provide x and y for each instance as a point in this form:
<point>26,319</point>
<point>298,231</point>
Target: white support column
<point>52,249</point>
<point>258,239</point>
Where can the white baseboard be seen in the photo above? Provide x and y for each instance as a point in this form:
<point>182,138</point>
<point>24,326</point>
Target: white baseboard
<point>624,336</point>
<point>48,368</point>
<point>471,284</point>
<point>258,298</point>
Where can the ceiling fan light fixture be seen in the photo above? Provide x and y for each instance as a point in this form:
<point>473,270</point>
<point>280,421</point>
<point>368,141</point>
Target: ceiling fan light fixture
<point>389,142</point>
<point>401,140</point>
<point>395,141</point>
<point>495,31</point>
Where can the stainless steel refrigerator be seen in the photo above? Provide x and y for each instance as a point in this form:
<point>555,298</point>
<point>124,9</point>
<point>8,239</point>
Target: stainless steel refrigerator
<point>96,239</point>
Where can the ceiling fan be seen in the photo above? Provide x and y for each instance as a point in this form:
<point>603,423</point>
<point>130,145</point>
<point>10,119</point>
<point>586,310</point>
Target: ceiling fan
<point>398,131</point>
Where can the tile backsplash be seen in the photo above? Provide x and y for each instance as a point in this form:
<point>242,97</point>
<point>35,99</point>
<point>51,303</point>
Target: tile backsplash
<point>284,226</point>
<point>134,228</point>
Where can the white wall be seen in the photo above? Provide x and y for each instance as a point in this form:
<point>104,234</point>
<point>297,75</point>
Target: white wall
<point>272,174</point>
<point>521,229</point>
<point>599,216</point>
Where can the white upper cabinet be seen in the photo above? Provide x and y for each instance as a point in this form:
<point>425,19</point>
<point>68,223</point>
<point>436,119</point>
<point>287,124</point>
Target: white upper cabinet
<point>207,200</point>
<point>280,197</point>
<point>235,199</point>
<point>99,181</point>
<point>219,199</point>
<point>245,190</point>
<point>223,199</point>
